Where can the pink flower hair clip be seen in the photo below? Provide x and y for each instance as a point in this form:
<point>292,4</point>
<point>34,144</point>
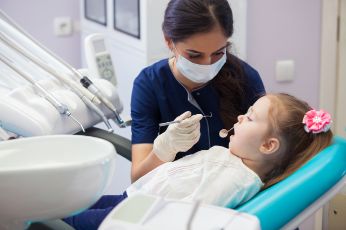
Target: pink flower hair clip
<point>317,121</point>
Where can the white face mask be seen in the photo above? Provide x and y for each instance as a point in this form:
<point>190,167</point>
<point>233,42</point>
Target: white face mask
<point>199,73</point>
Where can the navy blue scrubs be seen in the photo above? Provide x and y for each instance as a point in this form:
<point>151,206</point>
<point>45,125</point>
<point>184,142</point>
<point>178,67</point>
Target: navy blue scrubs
<point>92,218</point>
<point>158,97</point>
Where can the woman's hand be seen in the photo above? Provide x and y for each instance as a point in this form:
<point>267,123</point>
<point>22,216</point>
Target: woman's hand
<point>179,137</point>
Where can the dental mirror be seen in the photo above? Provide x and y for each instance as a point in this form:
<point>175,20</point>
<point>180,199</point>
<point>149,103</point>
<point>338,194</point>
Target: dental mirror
<point>224,132</point>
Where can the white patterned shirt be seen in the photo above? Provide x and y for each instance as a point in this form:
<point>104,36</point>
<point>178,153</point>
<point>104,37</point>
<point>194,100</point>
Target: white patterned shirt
<point>214,176</point>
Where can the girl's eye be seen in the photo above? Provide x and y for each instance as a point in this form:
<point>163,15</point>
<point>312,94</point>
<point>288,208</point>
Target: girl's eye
<point>248,118</point>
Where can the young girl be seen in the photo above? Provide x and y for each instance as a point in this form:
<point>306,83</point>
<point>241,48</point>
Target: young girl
<point>277,135</point>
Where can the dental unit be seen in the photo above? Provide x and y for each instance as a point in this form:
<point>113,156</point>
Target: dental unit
<point>62,108</point>
<point>87,83</point>
<point>36,90</point>
<point>73,85</point>
<point>95,94</point>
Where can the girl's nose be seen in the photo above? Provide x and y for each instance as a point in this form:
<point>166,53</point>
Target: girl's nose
<point>240,118</point>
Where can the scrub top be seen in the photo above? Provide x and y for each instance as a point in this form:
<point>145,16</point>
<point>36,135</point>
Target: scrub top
<point>158,97</point>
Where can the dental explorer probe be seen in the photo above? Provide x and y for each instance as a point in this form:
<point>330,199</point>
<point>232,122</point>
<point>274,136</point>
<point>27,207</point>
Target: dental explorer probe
<point>62,108</point>
<point>73,85</point>
<point>178,121</point>
<point>91,86</point>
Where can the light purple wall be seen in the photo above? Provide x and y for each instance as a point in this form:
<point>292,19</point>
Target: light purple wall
<point>36,17</point>
<point>286,29</point>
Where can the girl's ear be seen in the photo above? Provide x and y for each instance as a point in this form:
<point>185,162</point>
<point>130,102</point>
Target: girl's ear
<point>270,146</point>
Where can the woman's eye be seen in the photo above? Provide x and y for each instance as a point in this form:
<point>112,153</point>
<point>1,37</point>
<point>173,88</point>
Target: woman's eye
<point>194,56</point>
<point>219,53</point>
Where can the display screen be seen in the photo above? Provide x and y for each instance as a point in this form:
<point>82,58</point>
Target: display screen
<point>99,45</point>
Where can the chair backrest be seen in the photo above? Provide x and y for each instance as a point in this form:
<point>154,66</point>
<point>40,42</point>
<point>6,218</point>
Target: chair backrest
<point>277,205</point>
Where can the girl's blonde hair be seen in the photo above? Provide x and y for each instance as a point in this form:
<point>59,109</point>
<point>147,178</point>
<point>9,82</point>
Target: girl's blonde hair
<point>296,145</point>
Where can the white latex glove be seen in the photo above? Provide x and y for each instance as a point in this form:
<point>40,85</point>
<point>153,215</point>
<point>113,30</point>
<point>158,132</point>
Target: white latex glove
<point>178,137</point>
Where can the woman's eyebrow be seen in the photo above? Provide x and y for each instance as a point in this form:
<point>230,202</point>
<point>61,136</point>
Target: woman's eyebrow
<point>222,48</point>
<point>193,51</point>
<point>198,52</point>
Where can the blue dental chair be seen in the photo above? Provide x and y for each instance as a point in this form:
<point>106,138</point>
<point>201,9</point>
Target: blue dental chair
<point>286,204</point>
<point>289,202</point>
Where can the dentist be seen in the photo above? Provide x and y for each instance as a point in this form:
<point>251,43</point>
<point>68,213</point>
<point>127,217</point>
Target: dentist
<point>201,78</point>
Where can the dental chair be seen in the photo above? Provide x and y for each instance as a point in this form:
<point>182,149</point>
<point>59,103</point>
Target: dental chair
<point>286,204</point>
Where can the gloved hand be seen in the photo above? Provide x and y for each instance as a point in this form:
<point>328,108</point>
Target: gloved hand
<point>179,137</point>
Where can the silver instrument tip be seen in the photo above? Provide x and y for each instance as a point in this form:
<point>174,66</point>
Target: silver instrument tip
<point>73,118</point>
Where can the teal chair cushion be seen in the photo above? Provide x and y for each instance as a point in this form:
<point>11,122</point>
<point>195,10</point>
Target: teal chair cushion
<point>277,205</point>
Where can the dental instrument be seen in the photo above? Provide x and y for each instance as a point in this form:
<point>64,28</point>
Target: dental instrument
<point>178,121</point>
<point>79,90</point>
<point>62,108</point>
<point>224,132</point>
<point>20,37</point>
<point>73,85</point>
<point>87,83</point>
<point>92,92</point>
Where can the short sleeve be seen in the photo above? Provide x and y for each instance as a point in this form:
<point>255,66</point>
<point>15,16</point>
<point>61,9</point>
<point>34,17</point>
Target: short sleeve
<point>144,110</point>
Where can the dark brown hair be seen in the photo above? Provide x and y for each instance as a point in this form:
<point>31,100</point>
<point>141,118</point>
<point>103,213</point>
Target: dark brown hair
<point>296,145</point>
<point>184,18</point>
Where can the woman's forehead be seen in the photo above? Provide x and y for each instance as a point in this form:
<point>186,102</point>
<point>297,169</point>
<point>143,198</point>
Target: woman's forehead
<point>208,42</point>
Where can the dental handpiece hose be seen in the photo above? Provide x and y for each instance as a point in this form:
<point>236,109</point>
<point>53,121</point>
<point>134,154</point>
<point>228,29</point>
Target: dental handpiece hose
<point>86,82</point>
<point>62,108</point>
<point>70,83</point>
<point>73,85</point>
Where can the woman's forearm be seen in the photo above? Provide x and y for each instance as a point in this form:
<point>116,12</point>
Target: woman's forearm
<point>143,160</point>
